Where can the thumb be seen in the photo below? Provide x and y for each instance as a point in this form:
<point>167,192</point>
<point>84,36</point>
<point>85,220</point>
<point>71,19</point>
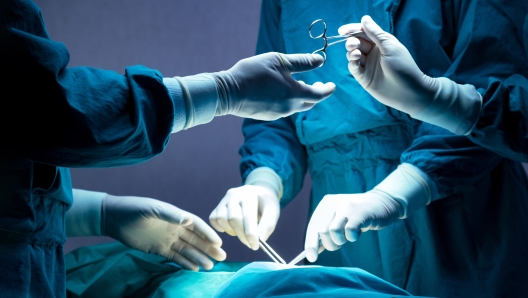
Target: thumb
<point>375,33</point>
<point>301,62</point>
<point>317,92</point>
<point>172,214</point>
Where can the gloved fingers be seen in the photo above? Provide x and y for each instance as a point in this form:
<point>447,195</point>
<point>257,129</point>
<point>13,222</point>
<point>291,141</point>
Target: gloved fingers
<point>222,219</point>
<point>337,230</point>
<point>213,220</point>
<point>301,62</point>
<point>326,240</point>
<point>360,44</point>
<point>181,260</point>
<point>356,69</point>
<point>268,220</point>
<point>375,33</point>
<point>192,254</point>
<point>199,243</point>
<point>354,55</point>
<point>235,218</point>
<point>349,28</point>
<point>311,242</point>
<point>171,213</point>
<point>316,92</point>
<point>353,229</point>
<point>250,215</point>
<point>362,60</point>
<point>200,228</point>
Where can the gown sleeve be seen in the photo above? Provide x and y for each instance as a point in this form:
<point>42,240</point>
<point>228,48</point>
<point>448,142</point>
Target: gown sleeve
<point>74,117</point>
<point>454,162</point>
<point>503,123</point>
<point>451,161</point>
<point>273,144</point>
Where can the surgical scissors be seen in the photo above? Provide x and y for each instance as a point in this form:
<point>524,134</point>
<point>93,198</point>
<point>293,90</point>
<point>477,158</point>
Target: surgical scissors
<point>273,255</point>
<point>322,51</point>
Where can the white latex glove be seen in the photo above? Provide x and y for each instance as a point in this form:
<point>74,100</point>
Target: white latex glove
<point>343,217</point>
<point>160,228</point>
<point>386,69</point>
<point>261,87</point>
<point>239,212</point>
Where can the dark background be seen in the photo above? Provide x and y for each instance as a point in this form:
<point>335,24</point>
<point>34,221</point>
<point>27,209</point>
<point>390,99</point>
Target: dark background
<point>176,37</point>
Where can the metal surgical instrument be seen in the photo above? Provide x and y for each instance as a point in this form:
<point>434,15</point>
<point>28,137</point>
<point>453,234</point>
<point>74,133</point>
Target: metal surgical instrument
<point>273,255</point>
<point>302,255</point>
<point>341,38</point>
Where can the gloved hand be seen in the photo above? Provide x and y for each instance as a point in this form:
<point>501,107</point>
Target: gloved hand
<point>386,69</point>
<point>160,228</point>
<point>239,212</point>
<point>261,87</point>
<point>343,217</point>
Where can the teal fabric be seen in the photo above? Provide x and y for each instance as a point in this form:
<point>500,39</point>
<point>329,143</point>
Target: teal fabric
<point>114,270</point>
<point>274,280</point>
<point>468,243</point>
<point>57,117</point>
<point>503,124</point>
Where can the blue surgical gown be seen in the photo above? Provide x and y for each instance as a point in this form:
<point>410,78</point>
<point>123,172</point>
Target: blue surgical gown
<point>503,123</point>
<point>471,241</point>
<point>56,117</point>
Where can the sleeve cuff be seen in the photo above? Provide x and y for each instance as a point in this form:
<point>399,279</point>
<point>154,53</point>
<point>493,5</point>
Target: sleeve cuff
<point>180,112</point>
<point>84,217</point>
<point>264,176</point>
<point>408,187</point>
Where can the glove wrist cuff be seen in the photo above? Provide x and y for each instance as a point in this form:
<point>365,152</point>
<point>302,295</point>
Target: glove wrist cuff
<point>201,98</point>
<point>454,107</point>
<point>267,177</point>
<point>408,188</point>
<point>224,80</point>
<point>84,217</point>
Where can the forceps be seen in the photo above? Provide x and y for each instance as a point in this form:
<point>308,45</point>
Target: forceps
<point>341,38</point>
<point>273,255</point>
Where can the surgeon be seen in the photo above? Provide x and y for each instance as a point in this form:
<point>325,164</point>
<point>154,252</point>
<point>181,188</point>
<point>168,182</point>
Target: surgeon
<point>414,204</point>
<point>55,117</point>
<point>494,117</point>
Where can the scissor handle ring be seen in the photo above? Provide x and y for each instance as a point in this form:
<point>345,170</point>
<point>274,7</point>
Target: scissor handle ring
<point>322,35</point>
<point>322,53</point>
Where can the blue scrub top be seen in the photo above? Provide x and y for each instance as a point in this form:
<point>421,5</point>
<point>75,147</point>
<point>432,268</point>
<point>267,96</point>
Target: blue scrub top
<point>466,243</point>
<point>56,117</point>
